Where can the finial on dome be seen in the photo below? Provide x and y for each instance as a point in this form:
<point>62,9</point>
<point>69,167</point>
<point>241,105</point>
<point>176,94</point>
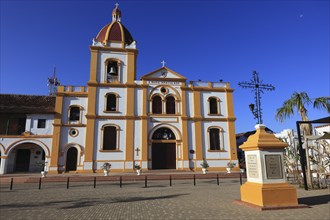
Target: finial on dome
<point>116,13</point>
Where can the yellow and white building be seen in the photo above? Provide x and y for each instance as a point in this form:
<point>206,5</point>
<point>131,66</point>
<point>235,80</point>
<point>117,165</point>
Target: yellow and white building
<point>159,122</point>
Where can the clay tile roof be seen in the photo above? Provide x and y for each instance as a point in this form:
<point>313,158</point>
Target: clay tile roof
<point>27,104</point>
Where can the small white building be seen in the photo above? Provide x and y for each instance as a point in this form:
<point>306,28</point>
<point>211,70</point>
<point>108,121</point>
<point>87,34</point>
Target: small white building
<point>26,132</point>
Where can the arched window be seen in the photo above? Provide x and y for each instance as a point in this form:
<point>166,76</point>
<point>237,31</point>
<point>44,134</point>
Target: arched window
<point>157,105</point>
<point>214,138</point>
<point>213,105</point>
<point>163,134</point>
<point>109,138</point>
<point>112,71</point>
<point>170,105</point>
<point>111,100</point>
<point>74,114</point>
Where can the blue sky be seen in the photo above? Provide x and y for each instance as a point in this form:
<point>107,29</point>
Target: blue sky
<point>287,42</point>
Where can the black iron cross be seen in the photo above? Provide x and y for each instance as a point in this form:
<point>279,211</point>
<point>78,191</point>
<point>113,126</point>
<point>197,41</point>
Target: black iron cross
<point>256,85</point>
<point>137,151</point>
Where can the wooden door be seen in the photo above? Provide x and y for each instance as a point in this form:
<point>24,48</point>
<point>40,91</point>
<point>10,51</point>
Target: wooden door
<point>163,156</point>
<point>22,160</point>
<point>71,159</point>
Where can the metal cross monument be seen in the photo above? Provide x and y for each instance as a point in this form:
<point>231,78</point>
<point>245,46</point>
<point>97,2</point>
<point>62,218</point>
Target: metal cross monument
<point>256,85</point>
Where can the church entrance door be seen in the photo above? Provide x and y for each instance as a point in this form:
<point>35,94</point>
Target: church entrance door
<point>163,156</point>
<point>71,159</point>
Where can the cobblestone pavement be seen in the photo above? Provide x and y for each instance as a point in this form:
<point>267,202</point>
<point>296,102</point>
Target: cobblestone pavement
<point>183,200</point>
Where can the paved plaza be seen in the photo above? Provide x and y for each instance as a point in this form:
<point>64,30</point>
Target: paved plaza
<point>182,200</point>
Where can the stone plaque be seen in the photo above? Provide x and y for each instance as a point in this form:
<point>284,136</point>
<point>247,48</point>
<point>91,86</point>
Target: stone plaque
<point>274,166</point>
<point>252,166</point>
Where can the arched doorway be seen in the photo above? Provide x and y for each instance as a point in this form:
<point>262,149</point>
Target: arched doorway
<point>71,159</point>
<point>26,156</point>
<point>163,149</point>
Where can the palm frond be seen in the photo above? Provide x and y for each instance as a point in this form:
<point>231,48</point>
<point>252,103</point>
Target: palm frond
<point>322,103</point>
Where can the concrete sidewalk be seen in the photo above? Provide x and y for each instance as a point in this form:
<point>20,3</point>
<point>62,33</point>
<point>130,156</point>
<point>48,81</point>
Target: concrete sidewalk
<point>183,200</point>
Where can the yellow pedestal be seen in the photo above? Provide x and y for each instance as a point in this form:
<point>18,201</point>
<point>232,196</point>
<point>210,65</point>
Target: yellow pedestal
<point>269,195</point>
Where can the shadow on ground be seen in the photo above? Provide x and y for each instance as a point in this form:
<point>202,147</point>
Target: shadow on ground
<point>87,202</point>
<point>315,200</point>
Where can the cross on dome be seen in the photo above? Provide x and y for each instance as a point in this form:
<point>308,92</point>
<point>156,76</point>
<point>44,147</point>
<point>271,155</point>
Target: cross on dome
<point>116,13</point>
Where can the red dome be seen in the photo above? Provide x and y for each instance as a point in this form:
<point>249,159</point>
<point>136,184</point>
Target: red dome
<point>114,31</point>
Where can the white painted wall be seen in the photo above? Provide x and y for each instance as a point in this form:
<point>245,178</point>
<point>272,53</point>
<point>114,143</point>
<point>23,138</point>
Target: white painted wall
<point>32,124</point>
<point>101,101</point>
<point>77,101</point>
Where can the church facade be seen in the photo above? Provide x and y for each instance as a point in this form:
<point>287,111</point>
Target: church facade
<point>161,121</point>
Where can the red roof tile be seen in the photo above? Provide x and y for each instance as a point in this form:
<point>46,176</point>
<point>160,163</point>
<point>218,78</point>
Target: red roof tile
<point>27,104</point>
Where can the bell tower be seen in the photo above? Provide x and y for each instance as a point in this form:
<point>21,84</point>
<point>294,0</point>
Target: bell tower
<point>113,53</point>
<point>112,74</point>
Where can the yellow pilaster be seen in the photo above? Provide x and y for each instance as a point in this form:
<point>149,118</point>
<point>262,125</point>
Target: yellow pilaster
<point>130,124</point>
<point>131,67</point>
<point>231,125</point>
<point>198,125</point>
<point>93,65</point>
<point>57,132</point>
<point>91,109</point>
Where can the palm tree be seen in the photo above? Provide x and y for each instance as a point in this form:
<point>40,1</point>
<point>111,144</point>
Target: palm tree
<point>298,102</point>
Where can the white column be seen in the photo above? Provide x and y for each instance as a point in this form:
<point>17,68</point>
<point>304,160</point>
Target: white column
<point>3,165</point>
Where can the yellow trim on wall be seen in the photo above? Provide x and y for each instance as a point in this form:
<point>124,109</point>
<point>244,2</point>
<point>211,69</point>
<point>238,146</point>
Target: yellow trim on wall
<point>90,125</point>
<point>131,68</point>
<point>56,131</point>
<point>93,65</point>
<point>231,126</point>
<point>130,124</point>
<point>198,125</point>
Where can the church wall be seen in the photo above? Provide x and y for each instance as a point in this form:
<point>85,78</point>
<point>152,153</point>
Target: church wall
<point>101,100</point>
<point>191,139</point>
<point>206,106</point>
<point>189,105</point>
<point>206,143</point>
<point>68,140</point>
<point>137,140</point>
<point>110,155</point>
<point>76,101</point>
<point>138,102</point>
<point>32,126</point>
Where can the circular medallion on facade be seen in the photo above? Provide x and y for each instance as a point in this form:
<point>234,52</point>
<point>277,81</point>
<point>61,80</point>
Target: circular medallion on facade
<point>164,74</point>
<point>163,90</point>
<point>73,132</point>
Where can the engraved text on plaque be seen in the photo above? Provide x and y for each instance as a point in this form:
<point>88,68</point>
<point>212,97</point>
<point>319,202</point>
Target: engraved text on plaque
<point>273,166</point>
<point>252,166</point>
